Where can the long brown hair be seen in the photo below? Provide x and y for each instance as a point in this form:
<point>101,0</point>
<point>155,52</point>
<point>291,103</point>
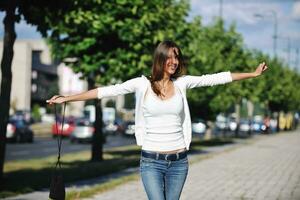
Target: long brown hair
<point>159,60</point>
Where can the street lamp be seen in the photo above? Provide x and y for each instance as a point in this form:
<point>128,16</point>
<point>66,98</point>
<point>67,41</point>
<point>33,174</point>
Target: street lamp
<point>297,59</point>
<point>275,18</point>
<point>221,8</point>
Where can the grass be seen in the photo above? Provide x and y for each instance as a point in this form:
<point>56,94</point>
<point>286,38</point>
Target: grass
<point>79,194</point>
<point>31,175</point>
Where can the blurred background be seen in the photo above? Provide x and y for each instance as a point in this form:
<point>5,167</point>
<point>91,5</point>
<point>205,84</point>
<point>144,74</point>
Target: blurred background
<point>67,47</point>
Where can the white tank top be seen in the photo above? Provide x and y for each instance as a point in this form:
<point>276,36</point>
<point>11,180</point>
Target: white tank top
<point>163,122</point>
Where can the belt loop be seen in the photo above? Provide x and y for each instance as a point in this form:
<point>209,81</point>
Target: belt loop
<point>157,156</point>
<point>177,156</point>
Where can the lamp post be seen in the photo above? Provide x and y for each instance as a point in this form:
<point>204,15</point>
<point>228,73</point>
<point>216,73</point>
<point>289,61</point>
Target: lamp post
<point>297,60</point>
<point>275,34</point>
<point>288,49</point>
<point>221,9</point>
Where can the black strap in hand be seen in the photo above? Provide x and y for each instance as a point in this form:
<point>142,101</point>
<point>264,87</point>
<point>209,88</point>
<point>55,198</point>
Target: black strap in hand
<point>57,186</point>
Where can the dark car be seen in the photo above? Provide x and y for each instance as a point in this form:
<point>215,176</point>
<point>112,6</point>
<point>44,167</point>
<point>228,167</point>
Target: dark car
<point>19,131</point>
<point>129,128</point>
<point>118,126</point>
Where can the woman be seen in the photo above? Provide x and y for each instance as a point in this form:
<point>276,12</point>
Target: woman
<point>162,118</point>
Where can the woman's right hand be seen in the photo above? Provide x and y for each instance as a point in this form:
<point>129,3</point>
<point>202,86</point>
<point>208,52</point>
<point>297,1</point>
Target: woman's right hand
<point>56,99</point>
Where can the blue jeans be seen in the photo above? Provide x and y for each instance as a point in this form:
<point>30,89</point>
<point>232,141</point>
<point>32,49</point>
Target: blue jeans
<point>163,179</point>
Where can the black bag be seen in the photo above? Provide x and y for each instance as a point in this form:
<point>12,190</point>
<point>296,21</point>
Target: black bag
<point>57,186</point>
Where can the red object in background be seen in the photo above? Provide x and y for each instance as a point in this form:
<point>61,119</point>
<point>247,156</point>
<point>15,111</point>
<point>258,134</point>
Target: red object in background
<point>68,128</point>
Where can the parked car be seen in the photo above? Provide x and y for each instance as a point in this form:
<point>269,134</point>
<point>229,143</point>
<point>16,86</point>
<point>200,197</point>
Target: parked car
<point>199,127</point>
<point>273,125</point>
<point>19,131</point>
<point>221,123</point>
<point>109,128</point>
<point>258,124</point>
<point>232,125</point>
<point>245,126</point>
<point>83,131</point>
<point>129,128</point>
<point>115,127</point>
<point>121,125</point>
<point>69,125</point>
<point>23,115</point>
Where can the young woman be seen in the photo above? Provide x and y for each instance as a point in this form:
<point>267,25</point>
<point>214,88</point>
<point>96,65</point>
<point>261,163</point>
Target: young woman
<point>162,117</point>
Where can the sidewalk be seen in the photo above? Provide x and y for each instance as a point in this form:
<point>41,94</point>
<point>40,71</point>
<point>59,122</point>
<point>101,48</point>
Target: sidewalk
<point>268,167</point>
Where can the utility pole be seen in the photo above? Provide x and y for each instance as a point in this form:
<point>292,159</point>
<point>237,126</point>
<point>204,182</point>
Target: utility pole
<point>275,36</point>
<point>221,9</point>
<point>275,29</point>
<point>297,60</point>
<point>289,51</point>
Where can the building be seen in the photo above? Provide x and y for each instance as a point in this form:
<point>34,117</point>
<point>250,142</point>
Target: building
<point>36,77</point>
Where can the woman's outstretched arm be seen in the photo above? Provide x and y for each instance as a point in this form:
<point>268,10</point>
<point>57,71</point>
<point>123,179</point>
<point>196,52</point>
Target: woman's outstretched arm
<point>259,70</point>
<point>101,92</point>
<point>91,94</point>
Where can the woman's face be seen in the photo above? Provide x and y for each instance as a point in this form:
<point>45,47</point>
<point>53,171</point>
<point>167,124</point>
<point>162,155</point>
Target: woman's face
<point>171,62</point>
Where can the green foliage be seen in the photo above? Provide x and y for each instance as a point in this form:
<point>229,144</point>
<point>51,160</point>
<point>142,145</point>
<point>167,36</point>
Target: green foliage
<point>36,112</point>
<point>213,49</point>
<point>114,40</point>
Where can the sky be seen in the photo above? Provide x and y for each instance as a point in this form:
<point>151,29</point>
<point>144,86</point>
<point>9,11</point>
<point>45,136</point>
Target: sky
<point>255,20</point>
<point>257,31</point>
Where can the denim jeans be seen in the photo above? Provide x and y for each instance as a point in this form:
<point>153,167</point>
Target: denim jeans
<point>163,179</point>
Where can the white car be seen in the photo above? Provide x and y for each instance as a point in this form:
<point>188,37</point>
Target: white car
<point>199,127</point>
<point>83,131</point>
<point>130,128</point>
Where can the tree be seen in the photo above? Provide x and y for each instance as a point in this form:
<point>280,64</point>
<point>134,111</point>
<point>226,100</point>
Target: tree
<point>214,49</point>
<point>7,56</point>
<point>113,41</point>
<point>34,12</point>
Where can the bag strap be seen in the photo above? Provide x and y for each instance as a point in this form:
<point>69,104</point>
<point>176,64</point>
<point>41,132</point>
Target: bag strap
<point>59,135</point>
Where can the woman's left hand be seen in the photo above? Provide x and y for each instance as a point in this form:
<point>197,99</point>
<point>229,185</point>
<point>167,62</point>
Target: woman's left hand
<point>262,67</point>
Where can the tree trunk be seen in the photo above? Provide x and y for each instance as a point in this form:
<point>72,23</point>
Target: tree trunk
<point>7,57</point>
<point>98,139</point>
<point>238,116</point>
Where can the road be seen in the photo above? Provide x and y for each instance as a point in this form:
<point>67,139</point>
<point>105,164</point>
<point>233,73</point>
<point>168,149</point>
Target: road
<point>48,146</point>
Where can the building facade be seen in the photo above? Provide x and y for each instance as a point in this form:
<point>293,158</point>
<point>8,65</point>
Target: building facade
<point>36,77</point>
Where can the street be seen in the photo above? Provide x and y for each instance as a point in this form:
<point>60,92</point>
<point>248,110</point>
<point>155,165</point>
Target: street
<point>47,146</point>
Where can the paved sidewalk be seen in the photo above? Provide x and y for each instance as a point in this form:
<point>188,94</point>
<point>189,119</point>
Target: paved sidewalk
<point>267,169</point>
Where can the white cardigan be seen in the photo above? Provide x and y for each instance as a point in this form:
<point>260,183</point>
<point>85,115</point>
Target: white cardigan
<point>139,86</point>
